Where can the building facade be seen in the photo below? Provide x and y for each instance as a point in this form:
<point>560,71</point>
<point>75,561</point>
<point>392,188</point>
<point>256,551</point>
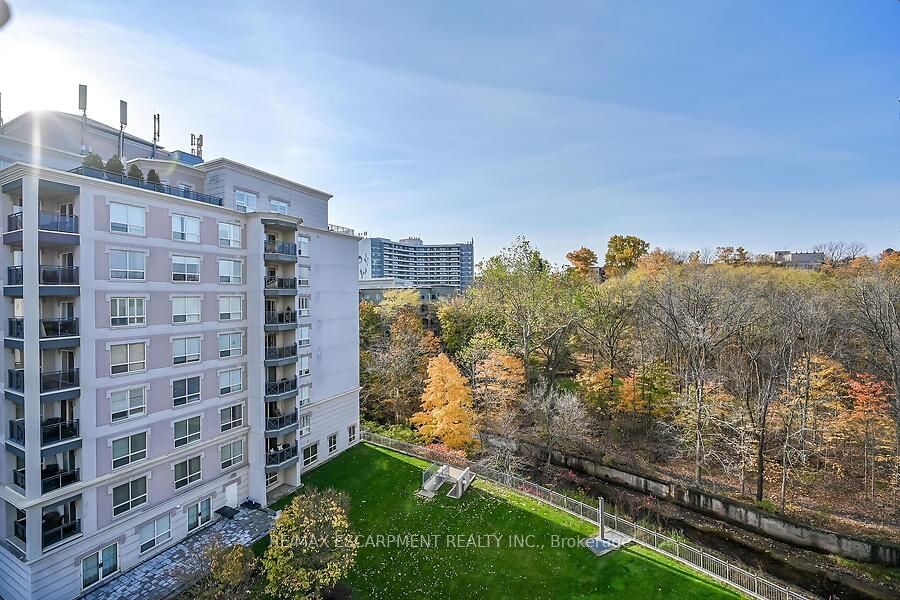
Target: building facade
<point>422,264</point>
<point>169,350</point>
<point>373,290</point>
<point>799,260</point>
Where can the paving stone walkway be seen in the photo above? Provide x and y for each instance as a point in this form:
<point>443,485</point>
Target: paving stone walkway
<point>155,579</point>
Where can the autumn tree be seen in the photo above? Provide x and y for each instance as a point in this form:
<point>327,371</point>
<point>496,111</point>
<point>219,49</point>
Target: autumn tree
<point>458,323</point>
<point>869,417</point>
<point>311,546</point>
<point>446,413</point>
<point>729,255</point>
<point>396,302</point>
<point>219,572</point>
<point>583,260</point>
<point>622,254</point>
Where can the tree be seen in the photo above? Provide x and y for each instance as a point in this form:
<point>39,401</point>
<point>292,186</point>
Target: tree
<point>219,572</point>
<point>622,254</point>
<point>870,418</point>
<point>583,260</point>
<point>311,546</point>
<point>559,417</point>
<point>397,302</point>
<point>840,252</point>
<point>446,412</point>
<point>371,326</point>
<point>457,322</point>
<point>500,378</point>
<point>153,177</point>
<point>114,165</point>
<point>93,160</point>
<point>730,255</point>
<point>135,172</point>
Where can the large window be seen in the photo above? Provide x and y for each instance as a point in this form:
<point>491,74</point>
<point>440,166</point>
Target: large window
<point>187,472</point>
<point>230,344</point>
<point>129,449</point>
<point>99,565</point>
<point>229,235</point>
<point>310,454</point>
<point>185,268</point>
<point>230,271</point>
<point>127,264</point>
<point>231,381</point>
<point>199,514</point>
<point>185,391</point>
<point>185,229</point>
<point>125,404</point>
<point>303,276</point>
<point>231,417</point>
<point>244,201</point>
<point>185,350</point>
<point>278,206</point>
<point>125,218</point>
<point>186,309</point>
<point>127,358</point>
<point>129,495</point>
<point>230,308</point>
<point>156,533</point>
<point>304,365</point>
<point>187,431</point>
<point>127,312</point>
<point>232,454</point>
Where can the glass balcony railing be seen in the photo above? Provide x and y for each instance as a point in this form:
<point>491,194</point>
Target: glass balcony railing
<point>146,185</point>
<point>50,382</point>
<point>47,221</point>
<point>276,422</point>
<point>58,533</point>
<point>52,478</point>
<point>283,317</point>
<point>48,275</point>
<point>286,248</point>
<point>53,430</point>
<point>282,386</point>
<point>281,283</point>
<point>281,455</point>
<point>50,328</point>
<point>17,431</point>
<point>281,352</point>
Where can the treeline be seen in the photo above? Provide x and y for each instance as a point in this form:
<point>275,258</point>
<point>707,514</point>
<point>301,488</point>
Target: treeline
<point>763,376</point>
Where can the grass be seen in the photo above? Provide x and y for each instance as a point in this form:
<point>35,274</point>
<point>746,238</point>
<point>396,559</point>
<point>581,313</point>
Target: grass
<point>382,486</point>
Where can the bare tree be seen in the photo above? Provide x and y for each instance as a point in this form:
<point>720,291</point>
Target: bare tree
<point>840,252</point>
<point>560,418</point>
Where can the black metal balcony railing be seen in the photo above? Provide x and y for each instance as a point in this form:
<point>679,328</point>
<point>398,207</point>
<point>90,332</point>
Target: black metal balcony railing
<point>281,352</point>
<point>276,422</point>
<point>287,248</point>
<point>146,185</point>
<point>48,275</point>
<point>47,221</point>
<point>55,479</point>
<point>276,457</point>
<point>63,531</point>
<point>283,386</point>
<point>281,283</point>
<point>283,317</point>
<point>50,382</point>
<point>50,328</point>
<point>53,430</point>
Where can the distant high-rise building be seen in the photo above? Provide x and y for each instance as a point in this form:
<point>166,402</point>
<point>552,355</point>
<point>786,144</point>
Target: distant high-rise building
<point>420,264</point>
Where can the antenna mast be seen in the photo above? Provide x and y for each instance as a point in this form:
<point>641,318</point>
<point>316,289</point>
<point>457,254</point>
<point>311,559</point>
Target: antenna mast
<point>82,106</point>
<point>123,122</point>
<point>155,134</point>
<point>197,145</point>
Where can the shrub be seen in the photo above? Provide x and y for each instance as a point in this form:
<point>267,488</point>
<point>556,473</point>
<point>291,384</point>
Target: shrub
<point>114,165</point>
<point>153,176</point>
<point>135,172</point>
<point>767,505</point>
<point>93,160</point>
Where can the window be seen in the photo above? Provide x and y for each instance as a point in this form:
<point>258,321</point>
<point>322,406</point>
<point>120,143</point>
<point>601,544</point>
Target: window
<point>278,206</point>
<point>232,454</point>
<point>304,424</point>
<point>99,565</point>
<point>351,433</point>
<point>230,271</point>
<point>244,201</point>
<point>126,264</point>
<point>303,276</point>
<point>125,218</point>
<point>231,417</point>
<point>230,308</point>
<point>129,449</point>
<point>304,393</point>
<point>129,495</point>
<point>186,309</point>
<point>185,229</point>
<point>156,533</point>
<point>187,472</point>
<point>303,245</point>
<point>230,344</point>
<point>185,391</point>
<point>304,365</point>
<point>199,514</point>
<point>127,358</point>
<point>127,312</point>
<point>303,336</point>
<point>185,268</point>
<point>187,431</point>
<point>332,443</point>
<point>185,350</point>
<point>125,404</point>
<point>231,381</point>
<point>229,235</point>
<point>310,454</point>
<point>303,311</point>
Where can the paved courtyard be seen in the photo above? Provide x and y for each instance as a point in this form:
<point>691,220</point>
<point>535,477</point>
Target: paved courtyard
<point>157,578</point>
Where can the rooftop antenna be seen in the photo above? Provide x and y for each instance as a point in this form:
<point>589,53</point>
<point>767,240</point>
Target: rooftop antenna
<point>123,122</point>
<point>82,106</point>
<point>1,112</point>
<point>155,134</point>
<point>197,145</point>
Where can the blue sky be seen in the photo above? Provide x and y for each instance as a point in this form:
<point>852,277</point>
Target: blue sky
<point>690,124</point>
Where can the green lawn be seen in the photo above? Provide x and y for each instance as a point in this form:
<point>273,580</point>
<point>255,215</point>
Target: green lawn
<point>382,487</point>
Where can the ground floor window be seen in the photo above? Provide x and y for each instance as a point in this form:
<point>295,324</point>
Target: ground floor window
<point>156,533</point>
<point>310,454</point>
<point>99,565</point>
<point>351,434</point>
<point>332,443</point>
<point>199,514</point>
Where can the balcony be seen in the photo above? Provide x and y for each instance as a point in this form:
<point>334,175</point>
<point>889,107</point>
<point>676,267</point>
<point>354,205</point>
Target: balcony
<point>53,382</point>
<point>281,355</point>
<point>54,229</point>
<point>280,286</point>
<point>51,478</point>
<point>52,533</point>
<point>280,424</point>
<point>146,185</point>
<point>54,280</point>
<point>53,430</point>
<point>280,251</point>
<point>281,457</point>
<point>283,320</point>
<point>283,388</point>
<point>55,333</point>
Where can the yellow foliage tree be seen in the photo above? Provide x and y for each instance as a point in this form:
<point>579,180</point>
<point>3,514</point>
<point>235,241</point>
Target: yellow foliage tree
<point>446,412</point>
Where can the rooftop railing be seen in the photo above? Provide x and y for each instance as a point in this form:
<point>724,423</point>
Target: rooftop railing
<point>146,185</point>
